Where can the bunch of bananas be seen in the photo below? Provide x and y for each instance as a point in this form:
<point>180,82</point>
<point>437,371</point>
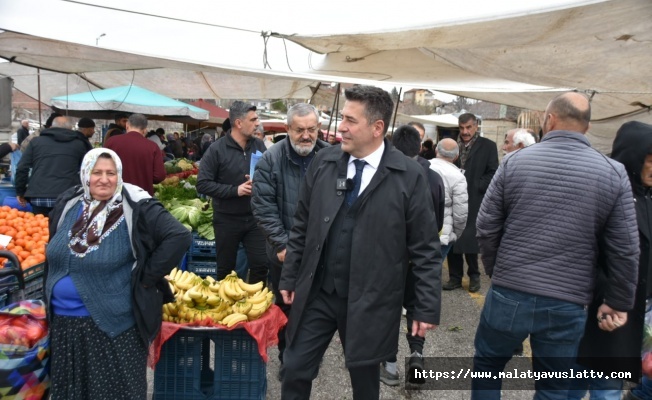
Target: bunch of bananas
<point>207,301</point>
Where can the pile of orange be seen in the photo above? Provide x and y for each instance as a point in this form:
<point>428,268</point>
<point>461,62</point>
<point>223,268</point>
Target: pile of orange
<point>29,232</point>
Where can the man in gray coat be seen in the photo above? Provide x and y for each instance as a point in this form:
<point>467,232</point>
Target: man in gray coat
<point>571,201</point>
<point>275,194</point>
<point>364,211</point>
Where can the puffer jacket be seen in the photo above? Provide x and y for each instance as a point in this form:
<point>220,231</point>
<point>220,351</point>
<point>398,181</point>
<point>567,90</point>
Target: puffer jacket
<point>456,204</point>
<point>548,212</point>
<point>276,193</point>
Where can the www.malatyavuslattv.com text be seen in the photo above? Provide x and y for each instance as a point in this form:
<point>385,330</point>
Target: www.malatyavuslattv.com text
<point>466,373</point>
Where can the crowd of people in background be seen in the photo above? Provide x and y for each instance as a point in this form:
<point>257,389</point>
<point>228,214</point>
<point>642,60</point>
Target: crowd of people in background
<point>313,222</point>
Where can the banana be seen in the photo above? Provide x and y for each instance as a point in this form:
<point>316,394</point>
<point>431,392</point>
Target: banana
<point>226,319</point>
<point>178,274</point>
<point>250,288</point>
<point>194,293</point>
<point>213,300</point>
<point>242,307</point>
<point>223,294</point>
<point>237,318</point>
<point>187,300</point>
<point>210,279</point>
<point>259,297</point>
<point>233,290</point>
<point>172,274</point>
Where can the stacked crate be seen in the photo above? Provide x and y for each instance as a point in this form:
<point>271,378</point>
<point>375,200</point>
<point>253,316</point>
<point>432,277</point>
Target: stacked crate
<point>201,256</point>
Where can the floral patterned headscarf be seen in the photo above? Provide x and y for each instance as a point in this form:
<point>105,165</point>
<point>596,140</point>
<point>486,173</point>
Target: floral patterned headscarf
<point>98,218</point>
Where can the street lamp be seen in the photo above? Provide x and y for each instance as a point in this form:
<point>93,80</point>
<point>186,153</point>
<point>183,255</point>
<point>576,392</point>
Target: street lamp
<point>98,38</point>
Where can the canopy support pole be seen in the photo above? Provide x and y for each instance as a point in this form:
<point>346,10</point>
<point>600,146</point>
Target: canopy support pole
<point>38,81</point>
<point>398,101</point>
<point>336,104</point>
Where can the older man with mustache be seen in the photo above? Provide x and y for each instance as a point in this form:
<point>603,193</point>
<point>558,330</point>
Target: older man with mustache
<point>274,200</point>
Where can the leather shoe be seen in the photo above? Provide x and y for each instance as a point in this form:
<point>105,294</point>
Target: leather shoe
<point>474,285</point>
<point>451,285</point>
<point>415,364</point>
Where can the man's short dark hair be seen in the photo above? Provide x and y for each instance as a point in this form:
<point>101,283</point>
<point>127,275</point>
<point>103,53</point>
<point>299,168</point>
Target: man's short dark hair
<point>564,108</point>
<point>417,124</point>
<point>239,110</point>
<point>378,104</point>
<point>120,116</point>
<point>466,117</point>
<point>160,131</point>
<point>407,139</point>
<point>138,121</point>
<point>48,122</point>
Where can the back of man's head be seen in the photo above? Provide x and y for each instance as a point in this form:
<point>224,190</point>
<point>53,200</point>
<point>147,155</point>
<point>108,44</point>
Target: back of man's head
<point>62,122</point>
<point>137,121</point>
<point>406,139</point>
<point>378,104</point>
<point>569,111</point>
<point>522,136</point>
<point>447,149</point>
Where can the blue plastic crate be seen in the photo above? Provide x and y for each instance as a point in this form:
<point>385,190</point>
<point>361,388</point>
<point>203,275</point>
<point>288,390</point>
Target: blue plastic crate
<point>210,364</point>
<point>201,248</point>
<point>3,300</point>
<point>203,266</point>
<point>12,202</point>
<point>183,264</point>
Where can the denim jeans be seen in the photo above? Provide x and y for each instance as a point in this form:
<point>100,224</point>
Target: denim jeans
<point>241,263</point>
<point>644,389</point>
<point>599,388</point>
<point>555,328</point>
<point>445,248</point>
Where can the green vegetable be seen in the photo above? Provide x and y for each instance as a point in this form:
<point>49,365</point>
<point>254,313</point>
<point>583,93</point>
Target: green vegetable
<point>188,227</point>
<point>206,231</point>
<point>194,215</point>
<point>192,179</point>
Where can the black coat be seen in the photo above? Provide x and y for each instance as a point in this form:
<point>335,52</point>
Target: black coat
<point>54,158</point>
<point>437,191</point>
<point>394,224</point>
<point>632,144</point>
<point>480,167</point>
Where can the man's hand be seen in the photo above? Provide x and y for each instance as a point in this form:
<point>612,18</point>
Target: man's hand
<point>245,188</point>
<point>288,296</point>
<point>610,319</point>
<point>13,146</point>
<point>21,201</point>
<point>281,255</point>
<point>420,328</point>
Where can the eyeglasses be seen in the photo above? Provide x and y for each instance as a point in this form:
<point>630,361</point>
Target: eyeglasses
<point>301,131</point>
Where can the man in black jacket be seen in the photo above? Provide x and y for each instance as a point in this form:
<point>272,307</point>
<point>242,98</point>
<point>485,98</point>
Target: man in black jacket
<point>479,161</point>
<point>224,174</point>
<point>22,132</point>
<point>117,128</point>
<point>274,200</point>
<point>54,158</point>
<point>364,211</point>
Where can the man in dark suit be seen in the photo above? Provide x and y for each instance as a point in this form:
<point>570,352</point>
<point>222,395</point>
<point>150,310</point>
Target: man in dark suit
<point>479,161</point>
<point>364,211</point>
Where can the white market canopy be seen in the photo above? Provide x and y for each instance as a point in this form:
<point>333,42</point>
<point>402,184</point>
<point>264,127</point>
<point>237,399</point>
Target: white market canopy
<point>602,48</point>
<point>519,54</point>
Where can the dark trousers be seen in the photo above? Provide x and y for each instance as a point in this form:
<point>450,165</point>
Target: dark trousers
<point>409,302</point>
<point>45,211</point>
<point>456,266</point>
<point>230,230</point>
<point>322,317</point>
<point>275,268</point>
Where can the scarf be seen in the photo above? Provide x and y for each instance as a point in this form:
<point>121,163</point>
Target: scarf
<point>98,218</point>
<point>466,149</point>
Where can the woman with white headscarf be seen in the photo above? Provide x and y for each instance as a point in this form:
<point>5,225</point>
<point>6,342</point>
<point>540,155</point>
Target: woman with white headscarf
<point>111,246</point>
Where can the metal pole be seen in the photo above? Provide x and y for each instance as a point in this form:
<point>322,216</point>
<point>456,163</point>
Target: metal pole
<point>396,108</point>
<point>335,101</point>
<point>38,79</point>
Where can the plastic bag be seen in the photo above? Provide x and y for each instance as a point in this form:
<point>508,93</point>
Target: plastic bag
<point>15,158</point>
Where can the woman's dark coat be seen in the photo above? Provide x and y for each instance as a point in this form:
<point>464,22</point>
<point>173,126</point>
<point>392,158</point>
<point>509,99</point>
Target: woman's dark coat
<point>620,350</point>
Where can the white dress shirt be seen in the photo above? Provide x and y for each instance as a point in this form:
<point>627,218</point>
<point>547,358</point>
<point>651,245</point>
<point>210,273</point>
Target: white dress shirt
<point>370,168</point>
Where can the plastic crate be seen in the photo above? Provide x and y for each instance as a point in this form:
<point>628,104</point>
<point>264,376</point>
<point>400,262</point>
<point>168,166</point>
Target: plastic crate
<point>3,300</point>
<point>203,266</point>
<point>183,264</point>
<point>210,364</point>
<point>201,248</point>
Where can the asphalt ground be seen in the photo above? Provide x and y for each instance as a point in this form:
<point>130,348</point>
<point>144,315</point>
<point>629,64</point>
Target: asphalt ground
<point>453,338</point>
